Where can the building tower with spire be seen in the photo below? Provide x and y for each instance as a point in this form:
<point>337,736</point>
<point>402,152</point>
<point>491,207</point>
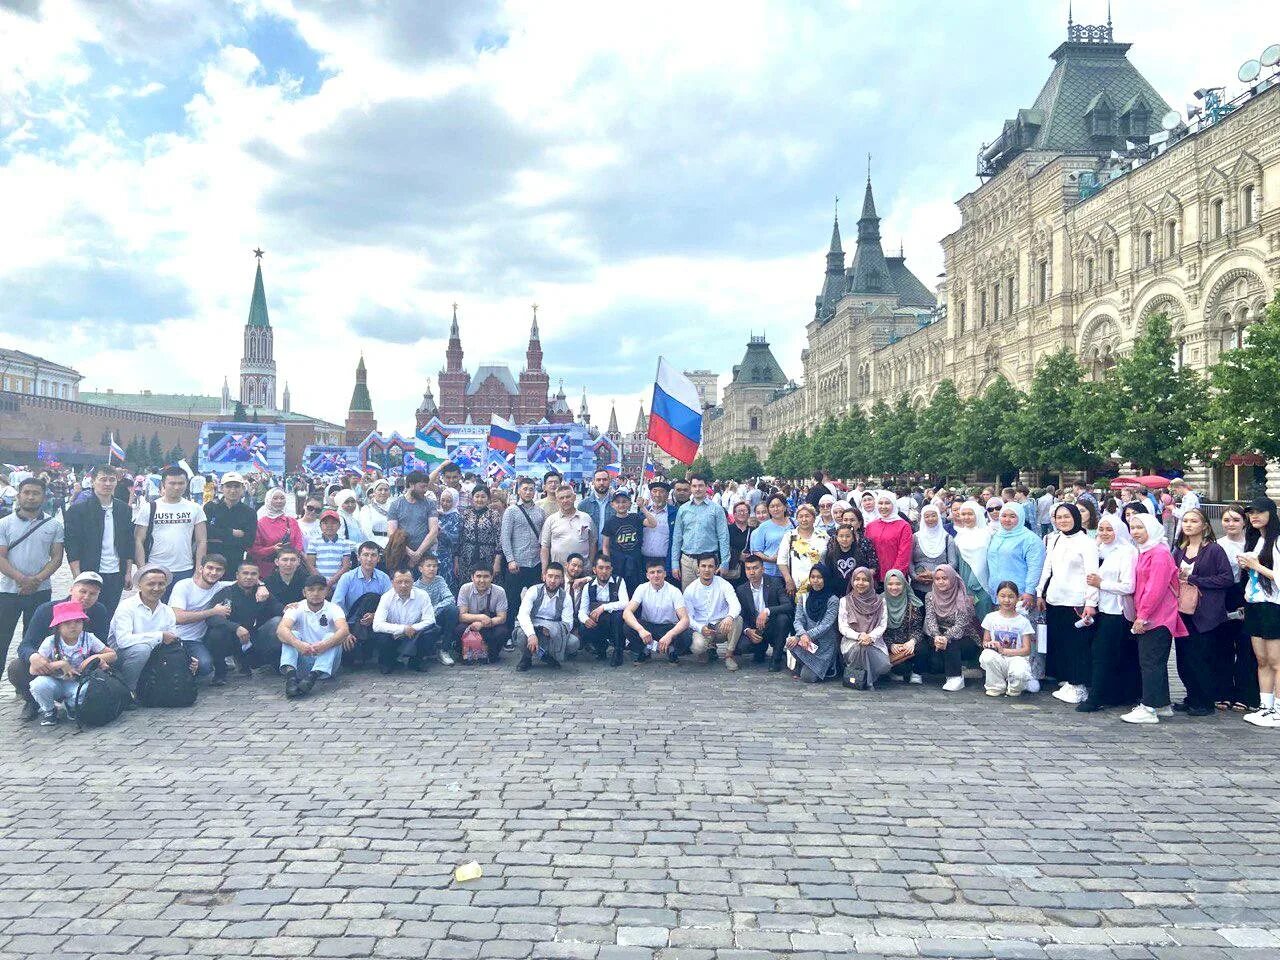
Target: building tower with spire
<point>360,419</point>
<point>426,409</point>
<point>453,379</point>
<point>584,415</point>
<point>868,273</point>
<point>834,281</point>
<point>534,382</point>
<point>227,407</point>
<point>257,364</point>
<point>613,433</point>
<point>285,405</point>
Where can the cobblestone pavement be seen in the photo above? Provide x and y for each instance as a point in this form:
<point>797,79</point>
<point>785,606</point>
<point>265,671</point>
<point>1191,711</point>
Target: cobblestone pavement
<point>648,812</point>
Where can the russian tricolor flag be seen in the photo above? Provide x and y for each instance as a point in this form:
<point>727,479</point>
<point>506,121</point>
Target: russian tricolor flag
<point>614,469</point>
<point>650,470</point>
<point>117,451</point>
<point>503,435</point>
<point>675,423</point>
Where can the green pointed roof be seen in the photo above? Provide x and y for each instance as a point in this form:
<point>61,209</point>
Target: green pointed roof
<point>258,305</point>
<point>758,366</point>
<point>360,400</point>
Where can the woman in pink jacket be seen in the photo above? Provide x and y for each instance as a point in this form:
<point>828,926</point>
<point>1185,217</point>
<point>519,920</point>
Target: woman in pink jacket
<point>890,535</point>
<point>1156,620</point>
<point>276,530</point>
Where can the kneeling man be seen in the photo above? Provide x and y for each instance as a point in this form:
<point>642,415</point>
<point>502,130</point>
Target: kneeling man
<point>545,621</point>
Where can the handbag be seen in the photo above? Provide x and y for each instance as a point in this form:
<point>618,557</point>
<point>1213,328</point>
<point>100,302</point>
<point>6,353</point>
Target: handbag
<point>898,653</point>
<point>473,646</point>
<point>1188,597</point>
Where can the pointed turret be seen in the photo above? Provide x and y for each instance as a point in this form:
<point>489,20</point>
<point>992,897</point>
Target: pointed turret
<point>833,282</point>
<point>287,406</point>
<point>584,415</point>
<point>535,386</point>
<point>613,431</point>
<point>258,302</point>
<point>642,423</point>
<point>360,419</point>
<point>869,274</point>
<point>360,394</point>
<point>257,362</point>
<point>226,397</point>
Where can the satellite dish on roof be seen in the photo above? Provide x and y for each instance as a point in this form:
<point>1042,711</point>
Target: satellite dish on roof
<point>1271,56</point>
<point>1171,120</point>
<point>1249,71</point>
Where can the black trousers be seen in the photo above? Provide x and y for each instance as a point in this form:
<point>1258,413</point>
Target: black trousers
<point>1153,659</point>
<point>950,662</point>
<point>1116,679</point>
<point>681,644</point>
<point>1194,655</point>
<point>1235,666</point>
<point>112,588</point>
<point>608,630</point>
<point>774,639</point>
<point>1070,657</point>
<point>516,582</point>
<point>15,607</point>
<point>366,647</point>
<point>390,647</point>
<point>19,674</point>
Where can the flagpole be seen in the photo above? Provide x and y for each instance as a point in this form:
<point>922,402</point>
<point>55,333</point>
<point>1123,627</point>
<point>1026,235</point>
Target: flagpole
<point>648,443</point>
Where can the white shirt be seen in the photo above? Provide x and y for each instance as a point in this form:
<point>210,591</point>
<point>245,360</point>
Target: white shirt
<point>172,532</point>
<point>596,594</point>
<point>1116,571</point>
<point>110,562</point>
<point>188,595</point>
<point>659,606</point>
<point>710,602</point>
<point>546,611</point>
<point>307,623</point>
<point>1068,560</point>
<point>394,612</point>
<point>136,624</point>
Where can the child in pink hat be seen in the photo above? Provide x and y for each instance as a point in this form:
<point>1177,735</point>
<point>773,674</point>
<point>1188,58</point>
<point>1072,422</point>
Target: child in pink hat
<point>71,650</point>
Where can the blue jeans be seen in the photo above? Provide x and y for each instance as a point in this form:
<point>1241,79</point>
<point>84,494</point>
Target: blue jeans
<point>327,662</point>
<point>47,691</point>
<point>198,650</point>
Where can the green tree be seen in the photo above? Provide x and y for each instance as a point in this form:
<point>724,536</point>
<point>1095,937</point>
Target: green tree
<point>1242,408</point>
<point>135,452</point>
<point>239,414</point>
<point>878,459</point>
<point>778,462</point>
<point>175,454</point>
<point>984,430</point>
<point>894,432</point>
<point>154,451</point>
<point>1044,434</point>
<point>852,445</point>
<point>1157,400</point>
<point>931,447</point>
<point>751,465</point>
<point>701,465</point>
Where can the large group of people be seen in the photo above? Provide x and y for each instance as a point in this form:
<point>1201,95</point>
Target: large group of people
<point>1087,592</point>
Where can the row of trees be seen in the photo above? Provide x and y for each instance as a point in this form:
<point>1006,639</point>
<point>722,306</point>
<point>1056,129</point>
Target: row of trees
<point>140,453</point>
<point>1146,410</point>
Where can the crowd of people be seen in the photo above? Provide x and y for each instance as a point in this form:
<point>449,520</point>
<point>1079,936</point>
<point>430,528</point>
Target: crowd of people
<point>1086,591</point>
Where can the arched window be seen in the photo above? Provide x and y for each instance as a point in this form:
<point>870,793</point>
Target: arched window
<point>1111,265</point>
<point>1171,238</point>
<point>1215,229</point>
<point>1246,206</point>
<point>1088,272</point>
<point>1147,251</point>
<point>754,419</point>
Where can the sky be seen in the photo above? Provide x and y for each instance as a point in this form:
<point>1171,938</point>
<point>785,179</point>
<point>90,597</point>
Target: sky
<point>659,179</point>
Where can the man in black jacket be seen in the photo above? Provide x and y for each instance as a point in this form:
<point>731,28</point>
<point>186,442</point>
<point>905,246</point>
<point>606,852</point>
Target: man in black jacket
<point>766,613</point>
<point>245,634</point>
<point>232,522</point>
<point>28,663</point>
<point>88,546</point>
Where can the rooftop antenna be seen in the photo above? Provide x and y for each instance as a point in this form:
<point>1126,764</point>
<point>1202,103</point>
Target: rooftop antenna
<point>868,168</point>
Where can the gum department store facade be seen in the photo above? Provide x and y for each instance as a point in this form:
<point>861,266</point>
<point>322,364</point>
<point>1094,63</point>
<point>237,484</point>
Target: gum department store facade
<point>1061,244</point>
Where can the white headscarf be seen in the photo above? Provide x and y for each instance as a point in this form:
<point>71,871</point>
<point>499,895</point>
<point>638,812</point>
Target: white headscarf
<point>867,515</point>
<point>266,511</point>
<point>1122,532</point>
<point>886,495</point>
<point>931,538</point>
<point>972,542</point>
<point>1155,531</point>
<point>979,515</point>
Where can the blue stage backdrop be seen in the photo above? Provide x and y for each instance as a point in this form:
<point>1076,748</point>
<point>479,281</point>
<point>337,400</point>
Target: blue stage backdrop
<point>243,447</point>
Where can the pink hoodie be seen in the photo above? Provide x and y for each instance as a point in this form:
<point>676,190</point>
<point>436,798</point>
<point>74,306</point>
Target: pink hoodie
<point>1155,598</point>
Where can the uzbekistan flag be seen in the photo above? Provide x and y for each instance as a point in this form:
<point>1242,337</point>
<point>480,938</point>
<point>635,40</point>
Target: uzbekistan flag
<point>117,451</point>
<point>503,435</point>
<point>675,420</point>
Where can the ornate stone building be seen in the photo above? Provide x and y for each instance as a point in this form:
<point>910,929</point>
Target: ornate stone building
<point>1099,207</point>
<point>257,363</point>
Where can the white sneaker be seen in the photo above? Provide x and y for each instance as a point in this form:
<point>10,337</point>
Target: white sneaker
<point>1033,686</point>
<point>953,684</point>
<point>1260,718</point>
<point>1141,714</point>
<point>445,658</point>
<point>1270,720</point>
<point>995,692</point>
<point>1012,691</point>
<point>916,679</point>
<point>1066,693</point>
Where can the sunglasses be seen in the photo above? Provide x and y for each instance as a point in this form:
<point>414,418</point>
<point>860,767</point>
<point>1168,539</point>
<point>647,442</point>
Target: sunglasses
<point>993,509</point>
<point>311,509</point>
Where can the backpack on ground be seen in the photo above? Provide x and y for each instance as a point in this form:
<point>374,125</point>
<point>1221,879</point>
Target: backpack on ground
<point>100,697</point>
<point>167,680</point>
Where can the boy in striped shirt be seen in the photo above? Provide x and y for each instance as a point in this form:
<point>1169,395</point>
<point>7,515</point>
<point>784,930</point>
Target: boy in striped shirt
<point>329,555</point>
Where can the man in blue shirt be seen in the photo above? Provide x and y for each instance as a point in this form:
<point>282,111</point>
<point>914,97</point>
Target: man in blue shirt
<point>701,527</point>
<point>357,592</point>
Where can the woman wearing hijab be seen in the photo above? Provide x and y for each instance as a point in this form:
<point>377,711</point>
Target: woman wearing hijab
<point>1115,679</point>
<point>930,547</point>
<point>951,623</point>
<point>1205,577</point>
<point>800,549</point>
<point>972,537</point>
<point>904,626</point>
<point>480,531</point>
<point>1069,603</point>
<point>1156,620</point>
<point>275,531</point>
<point>890,534</point>
<point>862,622</point>
<point>847,551</point>
<point>450,532</point>
<point>1237,667</point>
<point>1261,565</point>
<point>349,516</point>
<point>867,507</point>
<point>1014,553</point>
<point>373,515</point>
<point>815,641</point>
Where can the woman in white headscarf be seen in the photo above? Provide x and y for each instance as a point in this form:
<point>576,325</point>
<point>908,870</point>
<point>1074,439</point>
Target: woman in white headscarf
<point>1116,680</point>
<point>972,536</point>
<point>276,530</point>
<point>931,546</point>
<point>1156,619</point>
<point>373,515</point>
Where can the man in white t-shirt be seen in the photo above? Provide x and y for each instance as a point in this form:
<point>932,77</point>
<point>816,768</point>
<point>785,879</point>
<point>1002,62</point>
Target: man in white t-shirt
<point>656,616</point>
<point>714,611</point>
<point>312,636</point>
<point>1184,499</point>
<point>193,606</point>
<point>176,528</point>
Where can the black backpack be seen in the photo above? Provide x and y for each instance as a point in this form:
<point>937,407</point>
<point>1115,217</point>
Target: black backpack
<point>100,697</point>
<point>167,680</point>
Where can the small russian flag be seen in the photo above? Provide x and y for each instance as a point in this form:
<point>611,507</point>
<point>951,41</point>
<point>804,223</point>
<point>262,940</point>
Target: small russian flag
<point>503,435</point>
<point>650,470</point>
<point>117,451</point>
<point>615,468</point>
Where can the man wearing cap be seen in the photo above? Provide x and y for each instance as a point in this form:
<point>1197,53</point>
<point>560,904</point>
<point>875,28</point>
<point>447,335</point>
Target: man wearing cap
<point>329,555</point>
<point>67,651</point>
<point>312,636</point>
<point>28,663</point>
<point>232,523</point>
<point>30,551</point>
<point>99,537</point>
